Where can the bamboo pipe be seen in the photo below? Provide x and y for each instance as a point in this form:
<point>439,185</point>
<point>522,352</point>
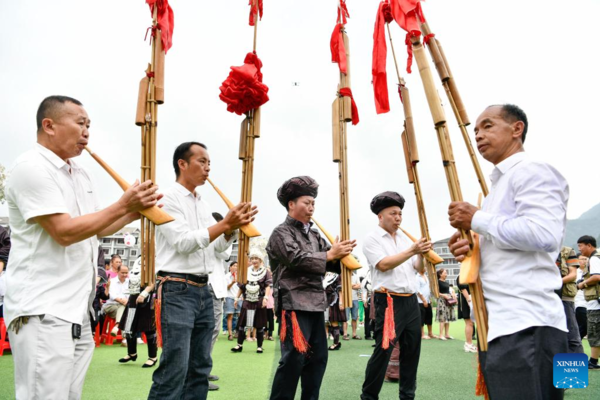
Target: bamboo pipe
<point>140,115</point>
<point>431,255</point>
<point>249,229</point>
<point>349,261</point>
<point>154,213</point>
<point>159,69</point>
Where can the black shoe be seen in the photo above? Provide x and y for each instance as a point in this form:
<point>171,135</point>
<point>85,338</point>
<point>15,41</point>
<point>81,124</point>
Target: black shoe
<point>128,358</point>
<point>213,378</point>
<point>335,346</point>
<point>153,362</point>
<point>212,386</point>
<point>237,349</point>
<point>259,350</point>
<point>593,366</point>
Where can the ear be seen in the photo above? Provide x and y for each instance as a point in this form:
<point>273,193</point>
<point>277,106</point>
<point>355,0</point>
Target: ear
<point>518,128</point>
<point>182,164</point>
<point>48,126</point>
<point>291,204</point>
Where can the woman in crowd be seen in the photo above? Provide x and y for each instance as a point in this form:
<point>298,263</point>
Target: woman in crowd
<point>464,312</point>
<point>231,308</point>
<point>336,312</point>
<point>139,317</point>
<point>115,263</point>
<point>254,307</point>
<point>445,307</point>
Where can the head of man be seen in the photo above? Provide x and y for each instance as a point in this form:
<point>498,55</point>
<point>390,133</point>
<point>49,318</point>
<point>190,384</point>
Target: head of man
<point>587,245</point>
<point>115,262</point>
<point>123,273</point>
<point>62,126</point>
<point>192,164</point>
<point>298,195</point>
<point>500,132</point>
<point>388,208</point>
<point>582,261</point>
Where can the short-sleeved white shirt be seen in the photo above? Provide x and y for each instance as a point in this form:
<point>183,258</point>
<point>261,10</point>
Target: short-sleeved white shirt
<point>380,244</point>
<point>594,264</point>
<point>233,290</point>
<point>423,287</point>
<point>45,277</point>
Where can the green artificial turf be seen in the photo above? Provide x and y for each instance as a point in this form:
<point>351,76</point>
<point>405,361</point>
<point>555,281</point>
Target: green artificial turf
<point>445,372</point>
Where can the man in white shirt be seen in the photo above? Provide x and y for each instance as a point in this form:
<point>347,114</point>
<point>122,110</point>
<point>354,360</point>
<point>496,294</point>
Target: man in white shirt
<point>55,220</point>
<point>395,259</point>
<point>117,297</point>
<point>580,303</point>
<point>521,227</point>
<point>591,292</point>
<point>184,258</point>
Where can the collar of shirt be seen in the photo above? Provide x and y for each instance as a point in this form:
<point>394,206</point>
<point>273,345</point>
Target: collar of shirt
<point>51,156</point>
<point>300,225</point>
<point>185,192</point>
<point>505,165</point>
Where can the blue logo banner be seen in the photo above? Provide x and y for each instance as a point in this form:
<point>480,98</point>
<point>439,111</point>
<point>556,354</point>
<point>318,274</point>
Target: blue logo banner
<point>570,371</point>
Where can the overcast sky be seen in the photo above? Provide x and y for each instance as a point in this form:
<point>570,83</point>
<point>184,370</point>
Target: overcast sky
<point>537,54</point>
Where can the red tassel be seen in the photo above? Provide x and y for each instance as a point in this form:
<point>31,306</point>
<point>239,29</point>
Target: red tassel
<point>338,49</point>
<point>342,13</point>
<point>389,327</point>
<point>256,7</point>
<point>409,51</point>
<point>347,92</point>
<point>157,313</point>
<point>165,21</point>
<point>283,333</point>
<point>480,386</point>
<point>300,342</point>
<point>427,38</point>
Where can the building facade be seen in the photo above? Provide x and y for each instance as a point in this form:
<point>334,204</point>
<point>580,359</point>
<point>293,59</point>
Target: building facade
<point>450,263</point>
<point>115,244</point>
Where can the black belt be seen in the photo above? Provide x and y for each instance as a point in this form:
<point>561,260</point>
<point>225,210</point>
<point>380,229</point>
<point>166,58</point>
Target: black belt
<point>200,279</point>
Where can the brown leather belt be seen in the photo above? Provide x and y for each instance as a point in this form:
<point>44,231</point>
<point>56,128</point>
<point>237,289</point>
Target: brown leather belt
<point>385,291</point>
<point>194,280</point>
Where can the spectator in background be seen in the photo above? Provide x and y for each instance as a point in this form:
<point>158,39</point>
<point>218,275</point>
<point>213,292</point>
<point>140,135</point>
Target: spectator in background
<point>424,298</point>
<point>117,297</point>
<point>352,311</point>
<point>4,250</point>
<point>591,292</point>
<point>367,294</point>
<point>445,309</point>
<point>464,312</point>
<point>580,303</point>
<point>231,307</point>
<point>115,263</point>
<point>568,263</point>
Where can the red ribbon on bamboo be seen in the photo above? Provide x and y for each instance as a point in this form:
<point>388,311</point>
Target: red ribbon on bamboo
<point>243,89</point>
<point>347,92</point>
<point>165,21</point>
<point>380,89</point>
<point>338,49</point>
<point>256,7</point>
<point>408,14</point>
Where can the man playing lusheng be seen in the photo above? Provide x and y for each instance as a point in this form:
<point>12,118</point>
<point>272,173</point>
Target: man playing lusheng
<point>299,259</point>
<point>55,221</point>
<point>521,227</point>
<point>395,259</point>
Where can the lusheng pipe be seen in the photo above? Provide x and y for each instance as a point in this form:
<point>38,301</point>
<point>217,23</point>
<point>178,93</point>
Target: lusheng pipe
<point>349,261</point>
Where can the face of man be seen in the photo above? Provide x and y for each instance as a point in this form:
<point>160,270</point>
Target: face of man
<point>390,218</point>
<point>67,133</point>
<point>497,139</point>
<point>123,272</point>
<point>195,171</point>
<point>302,208</point>
<point>585,249</point>
<point>582,261</point>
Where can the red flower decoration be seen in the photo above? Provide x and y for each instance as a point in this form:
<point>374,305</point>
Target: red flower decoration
<point>243,89</point>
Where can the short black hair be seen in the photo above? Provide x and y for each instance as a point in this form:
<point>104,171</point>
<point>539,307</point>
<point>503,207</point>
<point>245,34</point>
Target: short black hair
<point>587,239</point>
<point>218,217</point>
<point>231,263</point>
<point>183,152</point>
<point>49,105</point>
<point>513,113</point>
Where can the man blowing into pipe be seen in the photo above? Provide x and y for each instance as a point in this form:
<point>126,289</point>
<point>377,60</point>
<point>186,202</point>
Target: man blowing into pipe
<point>55,220</point>
<point>521,227</point>
<point>299,258</point>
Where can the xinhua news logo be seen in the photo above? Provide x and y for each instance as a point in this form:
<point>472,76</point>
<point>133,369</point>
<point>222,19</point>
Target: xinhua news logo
<point>571,371</point>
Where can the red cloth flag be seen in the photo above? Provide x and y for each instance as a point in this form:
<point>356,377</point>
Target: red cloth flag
<point>256,6</point>
<point>165,21</point>
<point>338,49</point>
<point>409,15</point>
<point>380,89</point>
<point>243,89</point>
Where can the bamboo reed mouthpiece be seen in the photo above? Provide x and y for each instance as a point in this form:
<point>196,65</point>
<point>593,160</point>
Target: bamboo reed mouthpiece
<point>159,69</point>
<point>431,255</point>
<point>469,268</point>
<point>349,261</point>
<point>155,214</point>
<point>249,230</point>
<point>140,114</point>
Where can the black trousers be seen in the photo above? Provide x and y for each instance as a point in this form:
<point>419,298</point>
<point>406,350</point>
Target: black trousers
<point>581,315</point>
<point>407,318</point>
<point>294,366</point>
<point>368,321</point>
<point>519,366</point>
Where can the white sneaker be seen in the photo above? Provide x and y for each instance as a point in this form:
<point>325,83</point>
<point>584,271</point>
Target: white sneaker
<point>140,340</point>
<point>469,348</point>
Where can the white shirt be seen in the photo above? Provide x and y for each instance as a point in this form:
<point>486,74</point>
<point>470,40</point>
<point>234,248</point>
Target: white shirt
<point>579,297</point>
<point>423,288</point>
<point>45,277</point>
<point>117,290</point>
<point>522,226</point>
<point>380,244</point>
<point>355,281</point>
<point>594,264</point>
<point>183,246</point>
<point>233,291</point>
<point>216,279</point>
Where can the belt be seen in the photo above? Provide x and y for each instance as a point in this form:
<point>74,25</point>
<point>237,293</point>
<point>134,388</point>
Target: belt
<point>196,280</point>
<point>385,291</point>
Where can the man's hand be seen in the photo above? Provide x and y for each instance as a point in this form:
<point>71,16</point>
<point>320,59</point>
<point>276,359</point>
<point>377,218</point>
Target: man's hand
<point>420,246</point>
<point>461,214</point>
<point>340,249</point>
<point>425,303</point>
<point>242,214</point>
<point>458,247</point>
<point>140,196</point>
<point>121,301</point>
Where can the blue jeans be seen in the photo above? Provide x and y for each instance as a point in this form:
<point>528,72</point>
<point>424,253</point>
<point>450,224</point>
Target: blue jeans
<point>352,310</point>
<point>187,325</point>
